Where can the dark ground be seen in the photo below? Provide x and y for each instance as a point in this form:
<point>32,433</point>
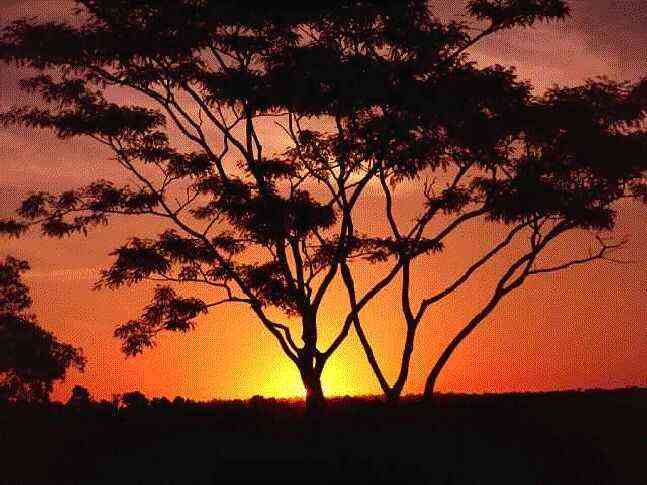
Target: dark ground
<point>591,437</point>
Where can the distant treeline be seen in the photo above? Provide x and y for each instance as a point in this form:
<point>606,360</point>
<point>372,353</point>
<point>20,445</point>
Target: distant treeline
<point>587,437</point>
<point>137,402</point>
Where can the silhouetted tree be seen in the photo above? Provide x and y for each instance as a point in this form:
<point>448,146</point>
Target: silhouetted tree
<point>134,401</point>
<point>105,408</point>
<point>161,403</point>
<point>31,358</point>
<point>393,97</point>
<point>537,168</point>
<point>542,166</point>
<point>253,230</point>
<point>79,398</point>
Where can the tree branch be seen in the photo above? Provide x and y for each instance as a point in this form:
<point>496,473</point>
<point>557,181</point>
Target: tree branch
<point>466,275</point>
<point>601,254</point>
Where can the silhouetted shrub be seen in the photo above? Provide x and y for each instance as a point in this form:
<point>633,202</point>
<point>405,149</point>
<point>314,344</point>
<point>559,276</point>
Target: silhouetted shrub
<point>134,401</point>
<point>161,403</point>
<point>80,398</point>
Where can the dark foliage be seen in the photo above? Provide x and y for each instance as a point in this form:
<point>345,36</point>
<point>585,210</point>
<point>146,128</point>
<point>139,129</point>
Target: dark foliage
<point>31,358</point>
<point>166,312</point>
<point>556,438</point>
<point>80,399</point>
<point>134,401</point>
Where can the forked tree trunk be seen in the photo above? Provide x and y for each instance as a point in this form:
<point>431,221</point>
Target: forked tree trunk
<point>393,397</point>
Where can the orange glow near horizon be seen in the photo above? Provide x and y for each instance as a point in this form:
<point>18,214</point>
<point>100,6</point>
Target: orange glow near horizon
<point>579,329</point>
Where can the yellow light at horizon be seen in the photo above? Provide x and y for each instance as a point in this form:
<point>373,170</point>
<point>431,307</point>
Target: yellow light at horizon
<point>337,379</point>
<point>282,380</point>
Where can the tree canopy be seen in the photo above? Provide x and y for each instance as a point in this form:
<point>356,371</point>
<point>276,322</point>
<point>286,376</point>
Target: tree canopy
<point>31,358</point>
<point>368,93</point>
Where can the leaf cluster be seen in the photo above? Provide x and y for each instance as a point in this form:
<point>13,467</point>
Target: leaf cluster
<point>167,311</point>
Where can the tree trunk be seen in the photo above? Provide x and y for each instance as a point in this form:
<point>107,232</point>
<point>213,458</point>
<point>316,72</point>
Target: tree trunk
<point>431,381</point>
<point>315,401</point>
<point>394,394</point>
<point>456,341</point>
<point>393,397</point>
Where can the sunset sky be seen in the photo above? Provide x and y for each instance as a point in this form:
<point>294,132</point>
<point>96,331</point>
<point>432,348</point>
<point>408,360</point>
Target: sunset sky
<point>578,329</point>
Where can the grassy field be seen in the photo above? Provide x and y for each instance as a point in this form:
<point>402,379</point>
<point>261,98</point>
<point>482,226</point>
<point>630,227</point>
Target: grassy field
<point>590,437</point>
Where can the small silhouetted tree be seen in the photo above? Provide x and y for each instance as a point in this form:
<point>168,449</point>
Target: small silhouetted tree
<point>80,398</point>
<point>104,407</point>
<point>31,358</point>
<point>134,401</point>
<point>161,403</point>
<point>393,97</point>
